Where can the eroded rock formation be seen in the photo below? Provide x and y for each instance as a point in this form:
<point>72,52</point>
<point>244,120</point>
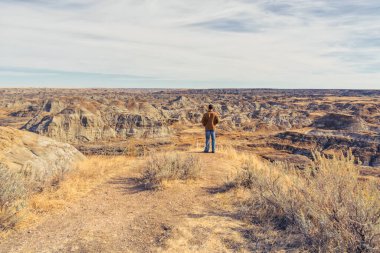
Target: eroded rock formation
<point>291,123</point>
<point>39,157</point>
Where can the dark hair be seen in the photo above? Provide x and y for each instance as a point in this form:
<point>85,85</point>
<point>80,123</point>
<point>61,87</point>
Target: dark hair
<point>210,107</point>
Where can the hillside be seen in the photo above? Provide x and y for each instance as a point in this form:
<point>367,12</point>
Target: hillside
<point>120,215</point>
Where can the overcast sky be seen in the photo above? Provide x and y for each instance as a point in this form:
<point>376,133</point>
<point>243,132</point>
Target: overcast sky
<point>190,43</point>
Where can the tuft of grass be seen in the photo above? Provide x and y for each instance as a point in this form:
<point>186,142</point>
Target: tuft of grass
<point>160,168</point>
<point>12,197</point>
<point>245,177</point>
<point>328,203</point>
<point>230,152</point>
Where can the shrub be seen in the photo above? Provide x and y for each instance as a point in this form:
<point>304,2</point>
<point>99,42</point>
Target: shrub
<point>12,195</point>
<point>327,203</point>
<point>170,166</point>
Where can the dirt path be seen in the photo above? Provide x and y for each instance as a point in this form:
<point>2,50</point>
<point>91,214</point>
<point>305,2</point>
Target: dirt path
<point>120,216</point>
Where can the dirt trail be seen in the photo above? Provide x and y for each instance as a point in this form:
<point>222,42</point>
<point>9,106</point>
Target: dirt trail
<point>120,216</point>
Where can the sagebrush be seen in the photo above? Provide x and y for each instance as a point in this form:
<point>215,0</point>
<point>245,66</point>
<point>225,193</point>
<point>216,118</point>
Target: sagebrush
<point>12,196</point>
<point>160,168</point>
<point>19,184</point>
<point>329,204</point>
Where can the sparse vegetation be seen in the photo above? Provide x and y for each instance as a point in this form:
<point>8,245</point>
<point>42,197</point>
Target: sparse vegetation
<point>17,186</point>
<point>160,168</point>
<point>229,150</point>
<point>88,174</point>
<point>12,196</point>
<point>18,190</point>
<point>329,204</point>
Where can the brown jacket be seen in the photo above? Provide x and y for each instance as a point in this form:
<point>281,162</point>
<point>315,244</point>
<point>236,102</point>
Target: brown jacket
<point>210,120</point>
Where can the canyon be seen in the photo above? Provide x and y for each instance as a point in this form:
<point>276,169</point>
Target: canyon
<point>279,125</point>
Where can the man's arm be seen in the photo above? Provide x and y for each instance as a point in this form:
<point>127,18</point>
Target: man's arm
<point>204,120</point>
<point>216,119</point>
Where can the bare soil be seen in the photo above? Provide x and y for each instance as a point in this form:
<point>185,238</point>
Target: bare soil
<point>121,216</point>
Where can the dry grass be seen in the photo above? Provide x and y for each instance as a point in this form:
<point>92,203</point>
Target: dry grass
<point>328,204</point>
<point>12,196</point>
<point>229,151</point>
<point>53,196</point>
<point>161,168</point>
<point>17,186</point>
<point>79,182</point>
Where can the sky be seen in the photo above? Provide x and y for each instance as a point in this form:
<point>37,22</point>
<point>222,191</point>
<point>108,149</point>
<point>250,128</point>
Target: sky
<point>190,43</point>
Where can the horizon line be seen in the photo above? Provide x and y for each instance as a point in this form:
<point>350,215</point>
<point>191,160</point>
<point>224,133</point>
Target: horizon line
<point>160,88</point>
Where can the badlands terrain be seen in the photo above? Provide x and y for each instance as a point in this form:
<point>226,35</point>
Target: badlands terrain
<point>85,170</point>
<point>284,125</point>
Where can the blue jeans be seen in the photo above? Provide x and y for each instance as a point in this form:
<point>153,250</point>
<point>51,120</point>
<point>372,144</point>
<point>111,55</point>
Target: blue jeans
<point>210,134</point>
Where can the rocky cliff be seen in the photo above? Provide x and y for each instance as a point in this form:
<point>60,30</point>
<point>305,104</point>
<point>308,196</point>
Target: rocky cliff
<point>83,123</point>
<point>39,157</point>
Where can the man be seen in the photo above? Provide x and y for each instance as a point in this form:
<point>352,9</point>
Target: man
<point>210,120</point>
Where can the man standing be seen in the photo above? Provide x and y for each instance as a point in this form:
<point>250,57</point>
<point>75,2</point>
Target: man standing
<point>210,120</point>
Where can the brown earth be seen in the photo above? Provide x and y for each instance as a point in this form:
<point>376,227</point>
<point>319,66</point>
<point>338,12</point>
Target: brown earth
<point>120,216</point>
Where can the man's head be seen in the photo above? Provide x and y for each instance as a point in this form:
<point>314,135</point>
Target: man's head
<point>210,107</point>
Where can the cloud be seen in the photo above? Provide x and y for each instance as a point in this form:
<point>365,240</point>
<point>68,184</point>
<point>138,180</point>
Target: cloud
<point>69,4</point>
<point>246,43</point>
<point>323,8</point>
<point>228,25</point>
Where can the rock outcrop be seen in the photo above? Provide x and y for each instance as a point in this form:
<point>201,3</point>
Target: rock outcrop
<point>367,151</point>
<point>37,156</point>
<point>53,106</point>
<point>30,111</point>
<point>71,125</point>
<point>181,102</point>
<point>334,121</point>
<point>81,123</point>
